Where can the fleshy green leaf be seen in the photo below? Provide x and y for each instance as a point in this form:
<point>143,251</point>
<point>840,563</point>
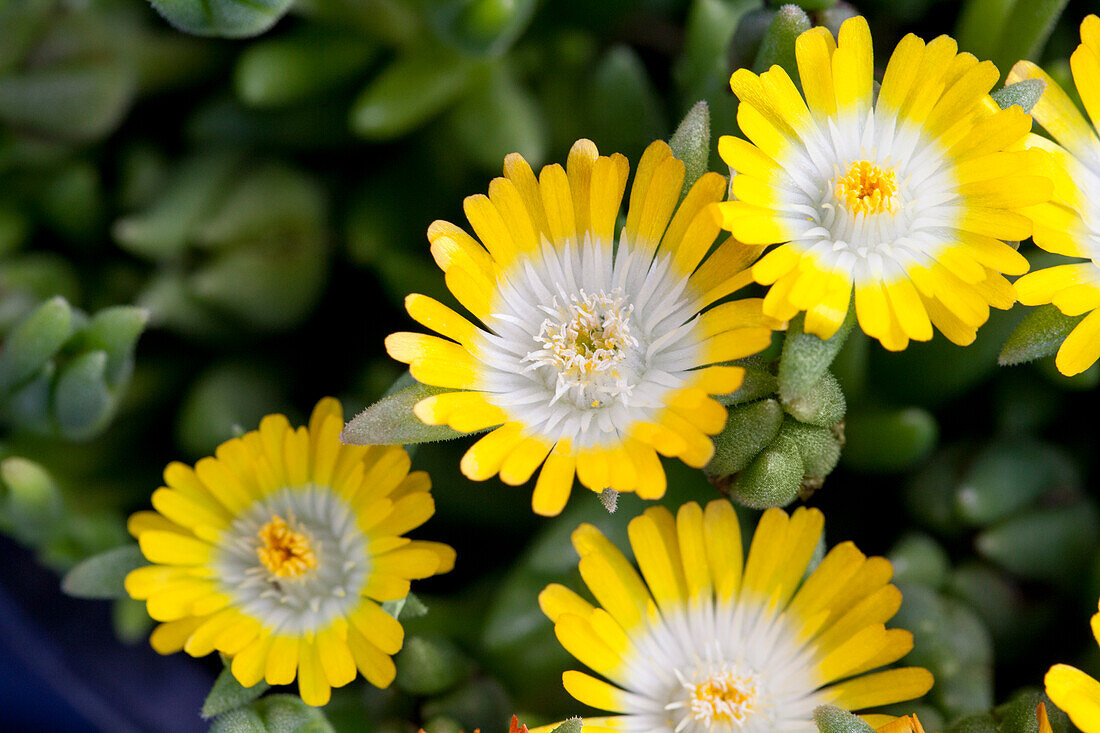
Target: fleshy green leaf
<point>390,421</point>
<point>102,575</point>
<point>691,144</point>
<point>1038,335</point>
<point>34,341</point>
<point>409,92</point>
<point>888,440</point>
<point>227,694</point>
<point>226,18</point>
<point>240,720</point>
<point>83,403</point>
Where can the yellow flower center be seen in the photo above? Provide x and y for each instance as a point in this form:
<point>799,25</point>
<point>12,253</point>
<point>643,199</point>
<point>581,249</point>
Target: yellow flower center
<point>723,698</point>
<point>588,343</point>
<point>868,189</point>
<point>285,552</point>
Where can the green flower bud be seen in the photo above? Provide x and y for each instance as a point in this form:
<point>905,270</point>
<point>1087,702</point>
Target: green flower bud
<point>777,45</point>
<point>822,405</point>
<point>749,429</point>
<point>819,448</point>
<point>772,479</point>
<point>806,357</point>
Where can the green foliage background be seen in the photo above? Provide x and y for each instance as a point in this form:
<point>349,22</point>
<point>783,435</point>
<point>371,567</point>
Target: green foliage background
<point>249,213</point>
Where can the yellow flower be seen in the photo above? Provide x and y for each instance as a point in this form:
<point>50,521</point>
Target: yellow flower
<point>905,724</point>
<point>276,552</point>
<point>591,357</point>
<point>905,198</point>
<point>1070,224</point>
<point>1075,692</point>
<point>701,637</point>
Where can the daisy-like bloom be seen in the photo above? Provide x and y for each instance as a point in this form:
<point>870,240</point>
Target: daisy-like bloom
<point>1075,692</point>
<point>1070,224</point>
<point>703,642</point>
<point>591,356</point>
<point>277,550</point>
<point>904,198</point>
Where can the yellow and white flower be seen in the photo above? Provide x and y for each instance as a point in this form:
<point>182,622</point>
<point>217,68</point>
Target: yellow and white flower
<point>904,198</point>
<point>1076,693</point>
<point>591,357</point>
<point>277,550</point>
<point>1070,224</point>
<point>702,641</point>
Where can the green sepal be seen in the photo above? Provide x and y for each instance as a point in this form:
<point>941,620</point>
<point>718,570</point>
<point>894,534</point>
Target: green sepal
<point>777,46</point>
<point>33,342</point>
<point>822,405</point>
<point>1040,334</point>
<point>806,357</point>
<point>772,479</point>
<point>228,694</point>
<point>831,719</point>
<point>225,18</point>
<point>691,144</point>
<point>407,608</point>
<point>1024,94</point>
<point>102,575</point>
<point>390,421</point>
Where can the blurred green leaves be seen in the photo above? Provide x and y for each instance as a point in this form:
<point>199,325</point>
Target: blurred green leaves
<point>63,373</point>
<point>228,18</point>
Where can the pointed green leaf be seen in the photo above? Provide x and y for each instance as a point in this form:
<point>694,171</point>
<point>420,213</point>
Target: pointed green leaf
<point>226,18</point>
<point>777,46</point>
<point>114,330</point>
<point>691,144</point>
<point>390,421</point>
<point>1040,334</point>
<point>409,92</point>
<point>227,694</point>
<point>102,575</point>
<point>33,342</point>
<point>82,401</point>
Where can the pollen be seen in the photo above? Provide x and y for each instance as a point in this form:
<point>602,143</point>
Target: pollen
<point>286,553</point>
<point>868,189</point>
<point>587,342</point>
<point>722,697</point>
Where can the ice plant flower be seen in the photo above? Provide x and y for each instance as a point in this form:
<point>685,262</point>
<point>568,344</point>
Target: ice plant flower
<point>1076,693</point>
<point>1070,224</point>
<point>702,641</point>
<point>904,198</point>
<point>591,356</point>
<point>277,551</point>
